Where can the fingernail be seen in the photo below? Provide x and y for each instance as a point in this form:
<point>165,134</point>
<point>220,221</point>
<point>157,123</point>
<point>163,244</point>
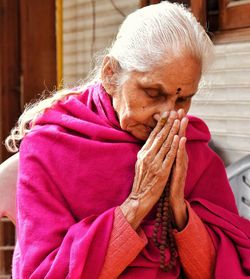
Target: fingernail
<point>163,120</point>
<point>164,117</point>
<point>176,137</point>
<point>173,114</point>
<point>165,114</point>
<point>157,117</point>
<point>185,119</point>
<point>180,111</point>
<point>177,121</point>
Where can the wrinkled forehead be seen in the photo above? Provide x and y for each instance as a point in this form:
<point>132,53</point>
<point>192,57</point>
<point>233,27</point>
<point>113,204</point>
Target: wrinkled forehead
<point>182,73</point>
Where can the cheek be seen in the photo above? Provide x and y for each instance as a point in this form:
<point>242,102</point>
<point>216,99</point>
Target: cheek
<point>131,116</point>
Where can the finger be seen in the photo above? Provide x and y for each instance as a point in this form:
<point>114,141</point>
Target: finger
<point>159,134</point>
<point>183,127</point>
<point>181,113</point>
<point>163,141</point>
<point>181,153</point>
<point>160,124</point>
<point>170,156</point>
<point>181,160</point>
<point>179,169</point>
<point>165,146</point>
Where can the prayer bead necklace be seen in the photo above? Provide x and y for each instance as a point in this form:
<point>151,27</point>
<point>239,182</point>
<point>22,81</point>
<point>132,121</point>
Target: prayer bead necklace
<point>163,231</point>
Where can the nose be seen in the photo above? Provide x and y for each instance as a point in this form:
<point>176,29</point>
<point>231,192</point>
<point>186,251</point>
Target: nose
<point>167,106</point>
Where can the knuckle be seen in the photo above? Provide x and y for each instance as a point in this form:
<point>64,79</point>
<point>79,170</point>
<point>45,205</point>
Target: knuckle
<point>160,137</point>
<point>173,131</point>
<point>154,168</point>
<point>140,155</point>
<point>168,126</point>
<point>167,145</point>
<point>148,154</point>
<point>145,158</point>
<point>171,155</point>
<point>153,134</point>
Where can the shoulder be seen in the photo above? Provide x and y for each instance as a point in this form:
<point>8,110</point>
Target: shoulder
<point>199,139</point>
<point>202,159</point>
<point>197,130</point>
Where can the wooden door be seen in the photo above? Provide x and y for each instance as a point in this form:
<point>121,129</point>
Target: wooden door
<point>28,66</point>
<point>234,14</point>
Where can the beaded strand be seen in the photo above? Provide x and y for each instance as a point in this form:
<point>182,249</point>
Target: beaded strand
<point>163,231</point>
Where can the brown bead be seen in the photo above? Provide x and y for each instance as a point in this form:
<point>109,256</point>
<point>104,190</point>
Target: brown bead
<point>164,233</point>
<point>159,208</point>
<point>155,236</point>
<point>162,266</point>
<point>162,253</point>
<point>164,213</point>
<point>162,247</point>
<point>155,229</point>
<point>163,230</point>
<point>164,238</point>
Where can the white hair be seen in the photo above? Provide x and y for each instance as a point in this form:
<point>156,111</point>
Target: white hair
<point>148,37</point>
<point>158,33</point>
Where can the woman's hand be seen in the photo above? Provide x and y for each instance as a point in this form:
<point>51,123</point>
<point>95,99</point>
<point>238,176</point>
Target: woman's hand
<point>153,167</point>
<point>178,179</point>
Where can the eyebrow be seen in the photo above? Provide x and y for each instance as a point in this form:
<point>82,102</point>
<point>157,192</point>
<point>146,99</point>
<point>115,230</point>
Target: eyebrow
<point>159,86</point>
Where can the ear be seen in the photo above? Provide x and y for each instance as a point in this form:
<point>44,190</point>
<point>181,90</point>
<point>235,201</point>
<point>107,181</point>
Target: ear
<point>109,73</point>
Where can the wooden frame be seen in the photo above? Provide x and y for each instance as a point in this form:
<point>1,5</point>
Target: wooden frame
<point>230,36</point>
<point>59,42</point>
<point>234,15</point>
<point>28,61</point>
<point>38,48</point>
<point>28,65</point>
<point>145,3</point>
<point>9,69</point>
<point>198,8</point>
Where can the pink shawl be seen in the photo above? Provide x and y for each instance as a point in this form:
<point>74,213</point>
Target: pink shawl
<point>77,165</point>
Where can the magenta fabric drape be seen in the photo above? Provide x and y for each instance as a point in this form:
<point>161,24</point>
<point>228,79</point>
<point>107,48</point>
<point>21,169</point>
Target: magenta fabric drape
<point>77,165</point>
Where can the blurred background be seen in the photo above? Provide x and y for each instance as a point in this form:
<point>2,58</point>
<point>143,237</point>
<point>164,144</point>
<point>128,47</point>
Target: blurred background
<point>47,44</point>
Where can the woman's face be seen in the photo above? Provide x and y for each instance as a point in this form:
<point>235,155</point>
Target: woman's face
<point>145,96</point>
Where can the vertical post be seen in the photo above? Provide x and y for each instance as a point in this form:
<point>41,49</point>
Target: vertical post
<point>9,98</point>
<point>223,13</point>
<point>199,10</point>
<point>9,70</point>
<point>59,41</point>
<point>144,3</point>
<point>38,48</point>
<point>155,1</point>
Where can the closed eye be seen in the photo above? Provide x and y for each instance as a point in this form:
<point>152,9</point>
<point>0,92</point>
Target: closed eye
<point>184,99</point>
<point>152,93</point>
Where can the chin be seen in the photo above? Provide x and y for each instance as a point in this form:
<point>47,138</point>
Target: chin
<point>143,136</point>
<point>139,131</point>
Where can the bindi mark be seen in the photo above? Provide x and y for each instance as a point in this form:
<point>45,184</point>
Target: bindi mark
<point>178,91</point>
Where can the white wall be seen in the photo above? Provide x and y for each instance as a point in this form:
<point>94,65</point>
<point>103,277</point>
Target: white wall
<point>224,102</point>
<point>78,32</point>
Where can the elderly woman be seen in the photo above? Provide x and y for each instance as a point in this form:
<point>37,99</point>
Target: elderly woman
<point>115,180</point>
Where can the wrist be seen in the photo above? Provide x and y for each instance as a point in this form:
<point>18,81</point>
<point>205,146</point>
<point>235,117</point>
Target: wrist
<point>130,210</point>
<point>180,214</point>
